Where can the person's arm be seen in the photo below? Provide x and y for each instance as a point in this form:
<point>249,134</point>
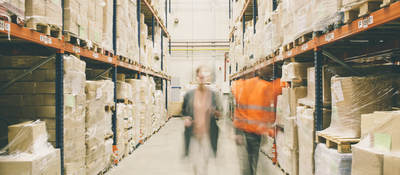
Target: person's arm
<point>185,111</point>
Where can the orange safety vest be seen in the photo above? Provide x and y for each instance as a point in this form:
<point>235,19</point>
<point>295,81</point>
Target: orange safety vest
<point>256,105</point>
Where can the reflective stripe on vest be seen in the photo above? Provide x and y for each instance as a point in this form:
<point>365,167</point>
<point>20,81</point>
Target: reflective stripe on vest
<point>255,107</point>
<point>254,122</point>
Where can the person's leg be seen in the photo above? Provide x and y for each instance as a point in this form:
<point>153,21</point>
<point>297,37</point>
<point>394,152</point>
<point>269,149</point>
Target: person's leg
<point>242,152</point>
<point>253,148</point>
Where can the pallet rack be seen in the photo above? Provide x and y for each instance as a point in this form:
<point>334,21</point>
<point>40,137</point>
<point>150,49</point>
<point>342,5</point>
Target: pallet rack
<point>13,36</point>
<point>375,35</point>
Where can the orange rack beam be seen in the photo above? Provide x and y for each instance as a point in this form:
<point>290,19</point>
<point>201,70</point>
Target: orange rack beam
<point>14,30</point>
<point>377,18</point>
<point>157,18</point>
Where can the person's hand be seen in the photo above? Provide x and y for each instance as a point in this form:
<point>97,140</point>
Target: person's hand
<point>188,122</point>
<point>239,139</point>
<point>217,114</point>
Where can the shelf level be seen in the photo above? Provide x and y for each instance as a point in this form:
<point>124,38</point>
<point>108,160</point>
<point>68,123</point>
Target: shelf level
<point>153,12</point>
<point>377,18</point>
<point>14,30</point>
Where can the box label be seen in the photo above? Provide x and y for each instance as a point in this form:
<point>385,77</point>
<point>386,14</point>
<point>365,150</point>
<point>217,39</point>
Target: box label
<point>382,141</point>
<point>337,92</point>
<point>69,100</point>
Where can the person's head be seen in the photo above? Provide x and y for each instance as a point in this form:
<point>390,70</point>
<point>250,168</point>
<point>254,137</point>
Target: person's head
<point>203,75</point>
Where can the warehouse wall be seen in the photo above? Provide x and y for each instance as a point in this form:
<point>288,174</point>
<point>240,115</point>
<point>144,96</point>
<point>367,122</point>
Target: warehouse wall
<point>199,20</point>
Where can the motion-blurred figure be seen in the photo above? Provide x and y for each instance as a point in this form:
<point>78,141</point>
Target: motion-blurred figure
<point>201,109</point>
<point>254,116</point>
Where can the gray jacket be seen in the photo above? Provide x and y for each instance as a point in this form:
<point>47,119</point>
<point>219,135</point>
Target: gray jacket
<point>187,111</point>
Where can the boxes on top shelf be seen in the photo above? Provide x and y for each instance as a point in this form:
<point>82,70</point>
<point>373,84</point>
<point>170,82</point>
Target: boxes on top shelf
<point>43,13</point>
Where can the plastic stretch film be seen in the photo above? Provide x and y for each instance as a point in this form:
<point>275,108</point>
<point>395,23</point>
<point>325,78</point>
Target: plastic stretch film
<point>295,72</point>
<point>306,139</point>
<point>353,96</point>
<point>76,18</point>
<point>74,115</point>
<point>329,162</point>
<point>28,151</point>
<point>12,7</point>
<point>43,12</point>
<point>378,151</point>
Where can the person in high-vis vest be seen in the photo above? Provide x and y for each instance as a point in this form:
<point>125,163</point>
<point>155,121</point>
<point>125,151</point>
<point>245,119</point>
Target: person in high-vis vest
<point>254,116</point>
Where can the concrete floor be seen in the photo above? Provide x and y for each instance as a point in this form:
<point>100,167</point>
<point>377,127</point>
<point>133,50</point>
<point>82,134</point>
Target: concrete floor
<point>162,155</point>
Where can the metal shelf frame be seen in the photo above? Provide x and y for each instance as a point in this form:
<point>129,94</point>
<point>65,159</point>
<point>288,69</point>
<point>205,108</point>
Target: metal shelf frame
<point>20,34</point>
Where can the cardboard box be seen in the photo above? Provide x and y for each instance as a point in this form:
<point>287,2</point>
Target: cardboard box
<point>386,125</point>
<point>44,164</point>
<point>326,88</point>
<point>290,130</point>
<point>22,137</point>
<point>329,161</point>
<point>366,161</point>
<point>391,162</point>
<point>353,96</point>
<point>306,138</point>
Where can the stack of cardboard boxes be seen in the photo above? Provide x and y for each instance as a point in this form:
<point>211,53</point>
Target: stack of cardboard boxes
<point>378,152</point>
<point>43,12</point>
<point>29,152</point>
<point>297,18</point>
<point>99,94</point>
<point>33,97</point>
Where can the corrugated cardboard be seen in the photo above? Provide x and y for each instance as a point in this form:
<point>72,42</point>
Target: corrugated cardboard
<point>366,161</point>
<point>46,164</point>
<point>383,122</point>
<point>391,164</point>
<point>353,96</point>
<point>23,136</point>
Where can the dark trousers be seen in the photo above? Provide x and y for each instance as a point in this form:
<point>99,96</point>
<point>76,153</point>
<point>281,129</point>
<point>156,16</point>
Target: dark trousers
<point>248,152</point>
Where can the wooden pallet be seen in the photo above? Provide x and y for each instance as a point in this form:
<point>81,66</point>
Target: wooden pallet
<point>343,145</point>
<point>47,29</point>
<point>288,46</point>
<point>96,48</point>
<point>75,40</point>
<point>109,108</point>
<point>361,10</point>
<point>108,136</point>
<point>386,3</point>
<point>303,39</point>
<point>125,101</point>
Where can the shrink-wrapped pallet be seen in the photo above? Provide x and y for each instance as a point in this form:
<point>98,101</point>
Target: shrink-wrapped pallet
<point>326,87</point>
<point>377,153</point>
<point>287,23</point>
<point>74,115</point>
<point>38,96</point>
<point>295,72</point>
<point>305,128</point>
<point>95,17</point>
<point>10,8</point>
<point>329,161</point>
<point>326,13</point>
<point>287,158</point>
<point>43,12</point>
<point>124,91</point>
<point>353,96</point>
<point>28,151</point>
<point>76,18</point>
<point>99,94</point>
<point>107,31</point>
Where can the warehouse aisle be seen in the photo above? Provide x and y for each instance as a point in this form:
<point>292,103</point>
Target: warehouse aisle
<point>162,154</point>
